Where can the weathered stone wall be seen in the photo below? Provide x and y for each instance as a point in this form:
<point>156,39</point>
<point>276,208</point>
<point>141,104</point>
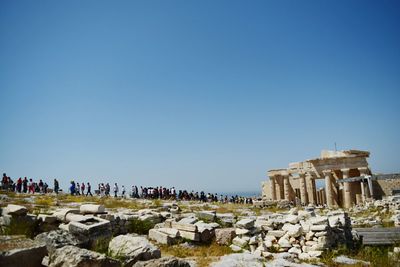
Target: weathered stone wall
<point>385,187</point>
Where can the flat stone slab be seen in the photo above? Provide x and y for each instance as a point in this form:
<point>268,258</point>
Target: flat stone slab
<point>12,209</point>
<point>239,259</point>
<point>206,215</point>
<point>71,256</point>
<point>161,237</point>
<point>132,248</point>
<point>16,251</point>
<point>57,239</point>
<point>245,223</point>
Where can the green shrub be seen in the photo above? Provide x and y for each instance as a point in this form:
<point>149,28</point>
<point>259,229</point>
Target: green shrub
<point>20,227</point>
<point>140,227</point>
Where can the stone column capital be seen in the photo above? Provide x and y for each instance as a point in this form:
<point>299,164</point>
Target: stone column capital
<point>363,170</point>
<point>327,172</point>
<point>345,169</point>
<point>345,172</point>
<point>310,175</point>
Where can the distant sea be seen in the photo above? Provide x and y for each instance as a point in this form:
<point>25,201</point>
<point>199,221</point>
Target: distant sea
<point>241,193</point>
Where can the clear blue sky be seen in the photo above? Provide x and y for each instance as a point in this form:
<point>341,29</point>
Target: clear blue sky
<point>205,95</point>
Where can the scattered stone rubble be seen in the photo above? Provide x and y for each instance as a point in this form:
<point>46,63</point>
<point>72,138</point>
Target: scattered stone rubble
<point>303,234</point>
<point>281,238</point>
<point>386,211</point>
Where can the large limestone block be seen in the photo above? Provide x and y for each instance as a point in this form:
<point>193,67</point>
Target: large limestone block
<point>92,209</point>
<point>90,228</point>
<point>246,223</point>
<point>174,233</point>
<point>241,242</point>
<point>161,237</point>
<point>293,219</point>
<point>239,259</point>
<point>276,233</point>
<point>57,239</point>
<point>338,220</point>
<point>226,219</point>
<point>188,220</point>
<point>16,251</point>
<point>131,248</point>
<point>224,236</point>
<point>241,231</point>
<point>47,218</point>
<point>184,226</point>
<point>293,230</point>
<point>319,220</point>
<point>164,262</point>
<point>206,215</point>
<point>284,242</point>
<point>15,210</point>
<point>71,256</point>
<point>193,236</point>
<point>320,227</point>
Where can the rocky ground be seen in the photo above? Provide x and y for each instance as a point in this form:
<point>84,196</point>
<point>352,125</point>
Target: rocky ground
<point>91,231</point>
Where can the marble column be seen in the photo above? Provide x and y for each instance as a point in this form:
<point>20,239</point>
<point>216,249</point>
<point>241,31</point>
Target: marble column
<point>273,188</point>
<point>364,173</point>
<point>286,187</point>
<point>278,187</point>
<point>328,188</point>
<point>303,189</point>
<point>363,197</point>
<point>346,189</point>
<point>312,190</point>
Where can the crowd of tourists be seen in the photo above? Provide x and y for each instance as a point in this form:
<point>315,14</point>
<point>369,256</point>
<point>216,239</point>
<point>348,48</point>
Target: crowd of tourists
<point>25,185</point>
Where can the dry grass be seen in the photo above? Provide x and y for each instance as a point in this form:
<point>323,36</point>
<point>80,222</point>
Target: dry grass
<point>203,254</point>
<point>45,201</point>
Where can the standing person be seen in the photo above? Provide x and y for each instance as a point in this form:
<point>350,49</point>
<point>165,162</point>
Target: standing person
<point>133,191</point>
<point>41,186</point>
<point>19,185</point>
<point>89,188</point>
<point>115,190</point>
<point>123,191</point>
<point>108,189</point>
<point>31,186</point>
<point>102,190</point>
<point>83,189</point>
<point>72,188</point>
<point>25,185</point>
<point>4,181</point>
<point>77,189</point>
<point>56,186</point>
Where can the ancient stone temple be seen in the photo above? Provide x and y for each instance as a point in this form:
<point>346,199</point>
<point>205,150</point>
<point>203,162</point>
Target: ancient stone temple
<point>346,175</point>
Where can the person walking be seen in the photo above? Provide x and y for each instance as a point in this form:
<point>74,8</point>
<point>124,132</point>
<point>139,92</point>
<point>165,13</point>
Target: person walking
<point>77,189</point>
<point>72,188</point>
<point>107,189</point>
<point>89,188</point>
<point>115,190</point>
<point>83,189</point>
<point>123,191</point>
<point>31,186</point>
<point>25,185</point>
<point>56,186</point>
